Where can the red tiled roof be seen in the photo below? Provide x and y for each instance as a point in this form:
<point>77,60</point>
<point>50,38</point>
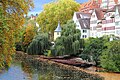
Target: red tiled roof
<point>90,5</point>
<point>99,13</point>
<point>116,1</point>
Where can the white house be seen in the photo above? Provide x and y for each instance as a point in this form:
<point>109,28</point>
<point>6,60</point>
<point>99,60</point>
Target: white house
<point>82,21</point>
<point>108,24</point>
<point>95,23</point>
<point>57,31</point>
<point>117,20</point>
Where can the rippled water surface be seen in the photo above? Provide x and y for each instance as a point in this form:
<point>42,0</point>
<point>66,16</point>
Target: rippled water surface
<point>21,70</point>
<point>25,70</point>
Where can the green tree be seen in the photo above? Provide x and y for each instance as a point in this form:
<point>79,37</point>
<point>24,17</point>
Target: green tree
<point>69,42</point>
<point>12,19</point>
<point>93,49</point>
<point>39,44</point>
<point>110,58</point>
<point>58,10</point>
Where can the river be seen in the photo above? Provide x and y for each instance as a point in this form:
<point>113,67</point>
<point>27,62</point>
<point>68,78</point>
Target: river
<point>33,70</point>
<point>26,68</point>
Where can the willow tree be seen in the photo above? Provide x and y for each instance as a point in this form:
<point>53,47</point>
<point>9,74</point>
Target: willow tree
<point>58,10</point>
<point>39,44</point>
<point>69,43</point>
<point>12,19</point>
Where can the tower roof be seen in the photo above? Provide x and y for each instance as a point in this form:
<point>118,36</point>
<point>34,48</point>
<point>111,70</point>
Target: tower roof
<point>58,29</point>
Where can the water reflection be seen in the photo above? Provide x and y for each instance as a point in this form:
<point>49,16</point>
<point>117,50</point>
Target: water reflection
<point>26,71</point>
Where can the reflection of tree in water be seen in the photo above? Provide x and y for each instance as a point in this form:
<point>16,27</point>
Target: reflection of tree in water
<point>47,76</point>
<point>27,69</point>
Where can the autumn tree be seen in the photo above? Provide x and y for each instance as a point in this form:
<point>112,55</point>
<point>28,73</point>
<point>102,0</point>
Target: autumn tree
<point>28,36</point>
<point>58,10</point>
<point>12,19</point>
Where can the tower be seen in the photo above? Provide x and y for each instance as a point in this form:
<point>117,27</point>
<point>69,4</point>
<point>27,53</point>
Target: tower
<point>57,31</point>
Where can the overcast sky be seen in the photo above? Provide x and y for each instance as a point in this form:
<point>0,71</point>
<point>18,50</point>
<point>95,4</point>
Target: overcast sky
<point>39,5</point>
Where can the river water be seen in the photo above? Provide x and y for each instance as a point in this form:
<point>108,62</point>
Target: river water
<point>28,68</point>
<point>21,70</point>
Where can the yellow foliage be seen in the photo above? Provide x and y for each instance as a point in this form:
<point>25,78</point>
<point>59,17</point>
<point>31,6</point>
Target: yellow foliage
<point>11,19</point>
<point>29,35</point>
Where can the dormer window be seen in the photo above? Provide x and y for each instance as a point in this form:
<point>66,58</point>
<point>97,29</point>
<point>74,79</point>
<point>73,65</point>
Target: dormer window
<point>93,16</point>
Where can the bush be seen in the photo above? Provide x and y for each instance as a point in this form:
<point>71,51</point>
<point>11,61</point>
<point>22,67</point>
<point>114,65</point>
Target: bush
<point>93,49</point>
<point>110,58</point>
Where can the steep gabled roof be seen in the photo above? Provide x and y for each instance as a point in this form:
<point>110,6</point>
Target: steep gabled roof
<point>85,23</point>
<point>99,13</point>
<point>58,29</point>
<point>92,4</point>
<point>82,15</point>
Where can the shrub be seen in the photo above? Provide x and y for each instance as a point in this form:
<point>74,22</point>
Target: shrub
<point>93,49</point>
<point>110,58</point>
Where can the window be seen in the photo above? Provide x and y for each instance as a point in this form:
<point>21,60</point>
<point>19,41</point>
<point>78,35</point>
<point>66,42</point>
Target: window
<point>117,23</point>
<point>90,28</point>
<point>85,36</point>
<point>93,16</point>
<point>94,28</point>
<point>82,36</point>
<point>93,22</point>
<point>118,32</point>
<point>57,33</point>
<point>84,31</point>
<point>104,22</point>
<point>109,21</point>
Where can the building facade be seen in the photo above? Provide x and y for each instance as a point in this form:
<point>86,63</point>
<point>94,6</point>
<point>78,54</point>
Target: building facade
<point>82,21</point>
<point>117,20</point>
<point>104,18</point>
<point>108,24</point>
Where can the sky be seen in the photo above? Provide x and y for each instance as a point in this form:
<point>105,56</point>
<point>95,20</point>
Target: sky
<point>39,5</point>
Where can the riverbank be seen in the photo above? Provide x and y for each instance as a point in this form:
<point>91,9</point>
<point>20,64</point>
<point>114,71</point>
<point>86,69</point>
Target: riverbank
<point>90,75</point>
